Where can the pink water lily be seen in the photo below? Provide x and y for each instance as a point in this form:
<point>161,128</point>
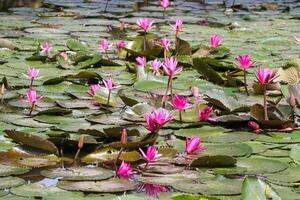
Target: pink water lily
<point>125,171</point>
<point>254,126</point>
<point>145,24</point>
<point>93,89</point>
<point>120,44</point>
<point>46,48</point>
<point>297,39</point>
<point>206,113</point>
<point>32,73</point>
<point>180,103</point>
<point>165,43</point>
<point>155,66</point>
<point>109,84</point>
<point>245,61</point>
<point>153,190</point>
<point>157,119</point>
<point>164,3</point>
<point>264,75</point>
<point>64,55</point>
<point>215,41</point>
<point>104,44</point>
<point>178,26</point>
<point>170,66</point>
<point>32,98</point>
<point>141,61</point>
<point>194,146</point>
<point>151,155</point>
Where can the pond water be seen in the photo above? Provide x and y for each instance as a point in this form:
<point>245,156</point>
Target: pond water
<point>38,145</point>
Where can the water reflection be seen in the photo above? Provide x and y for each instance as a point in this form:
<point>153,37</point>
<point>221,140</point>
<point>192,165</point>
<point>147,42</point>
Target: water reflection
<point>6,4</point>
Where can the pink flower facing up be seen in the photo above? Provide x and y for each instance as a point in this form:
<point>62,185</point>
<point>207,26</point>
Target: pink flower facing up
<point>165,4</point>
<point>46,48</point>
<point>32,96</point>
<point>155,66</point>
<point>165,43</point>
<point>178,26</point>
<point>120,44</point>
<point>215,41</point>
<point>32,73</point>
<point>205,113</point>
<point>104,45</point>
<point>151,155</point>
<point>264,75</point>
<point>125,171</point>
<point>245,61</point>
<point>145,24</point>
<point>109,84</point>
<point>170,66</point>
<point>153,189</point>
<point>141,61</point>
<point>157,119</point>
<point>297,39</point>
<point>180,103</point>
<point>194,146</point>
<point>93,89</point>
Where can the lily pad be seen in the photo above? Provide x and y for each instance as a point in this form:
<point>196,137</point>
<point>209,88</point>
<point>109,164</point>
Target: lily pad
<point>9,181</point>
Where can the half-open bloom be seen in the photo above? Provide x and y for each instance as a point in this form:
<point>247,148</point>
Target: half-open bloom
<point>93,89</point>
<point>151,154</point>
<point>178,26</point>
<point>180,103</point>
<point>205,113</point>
<point>245,61</point>
<point>195,91</point>
<point>104,44</point>
<point>157,119</point>
<point>155,66</point>
<point>141,61</point>
<point>46,48</point>
<point>194,146</point>
<point>109,84</point>
<point>32,73</point>
<point>264,75</point>
<point>165,3</point>
<point>165,43</point>
<point>125,170</point>
<point>145,24</point>
<point>120,44</point>
<point>170,66</point>
<point>215,41</point>
<point>297,39</point>
<point>32,96</point>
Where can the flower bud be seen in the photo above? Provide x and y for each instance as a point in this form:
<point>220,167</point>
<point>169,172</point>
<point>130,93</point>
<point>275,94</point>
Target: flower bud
<point>81,141</point>
<point>124,137</point>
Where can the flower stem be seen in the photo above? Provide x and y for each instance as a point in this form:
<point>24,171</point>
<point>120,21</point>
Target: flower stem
<point>108,99</point>
<point>166,93</point>
<point>31,109</point>
<point>146,166</point>
<point>31,83</point>
<point>106,5</point>
<point>245,82</point>
<point>164,13</point>
<point>106,55</point>
<point>180,116</point>
<point>165,53</point>
<point>265,103</point>
<point>117,158</point>
<point>145,41</point>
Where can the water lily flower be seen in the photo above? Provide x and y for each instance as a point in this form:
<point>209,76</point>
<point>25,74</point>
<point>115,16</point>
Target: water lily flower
<point>46,48</point>
<point>180,103</point>
<point>151,155</point>
<point>205,113</point>
<point>109,84</point>
<point>194,146</point>
<point>178,26</point>
<point>196,93</point>
<point>141,61</point>
<point>165,43</point>
<point>93,89</point>
<point>155,66</point>
<point>125,170</point>
<point>145,24</point>
<point>254,126</point>
<point>32,73</point>
<point>165,4</point>
<point>264,77</point>
<point>64,55</point>
<point>153,190</point>
<point>157,119</point>
<point>120,44</point>
<point>104,45</point>
<point>32,98</point>
<point>245,63</point>
<point>297,39</point>
<point>215,41</point>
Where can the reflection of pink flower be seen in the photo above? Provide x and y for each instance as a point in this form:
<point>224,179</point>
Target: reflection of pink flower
<point>32,96</point>
<point>32,73</point>
<point>254,126</point>
<point>170,66</point>
<point>153,189</point>
<point>180,103</point>
<point>109,84</point>
<point>141,61</point>
<point>104,44</point>
<point>165,43</point>
<point>245,61</point>
<point>157,119</point>
<point>155,66</point>
<point>194,146</point>
<point>264,75</point>
<point>178,26</point>
<point>120,44</point>
<point>145,24</point>
<point>46,48</point>
<point>215,41</point>
<point>93,89</point>
<point>125,170</point>
<point>151,154</point>
<point>165,3</point>
<point>297,39</point>
<point>205,113</point>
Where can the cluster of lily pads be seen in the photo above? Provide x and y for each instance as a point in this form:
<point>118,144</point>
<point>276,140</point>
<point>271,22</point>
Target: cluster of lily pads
<point>153,130</point>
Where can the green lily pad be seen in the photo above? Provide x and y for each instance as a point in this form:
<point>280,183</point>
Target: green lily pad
<point>9,181</point>
<point>214,161</point>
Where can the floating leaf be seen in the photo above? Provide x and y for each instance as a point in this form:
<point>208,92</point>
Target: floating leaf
<point>214,161</point>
